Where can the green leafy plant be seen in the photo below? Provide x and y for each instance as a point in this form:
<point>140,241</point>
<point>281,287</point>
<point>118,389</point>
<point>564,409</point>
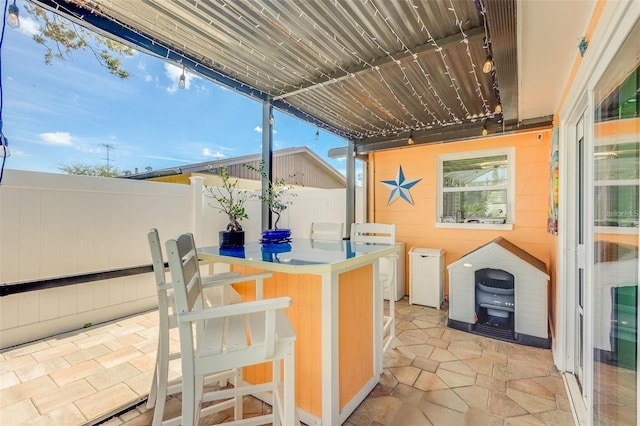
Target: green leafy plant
<point>275,196</point>
<point>61,37</point>
<point>90,170</point>
<point>228,198</point>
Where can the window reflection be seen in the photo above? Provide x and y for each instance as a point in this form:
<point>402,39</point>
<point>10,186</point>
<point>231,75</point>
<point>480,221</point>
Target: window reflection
<point>475,189</point>
<point>616,184</point>
<point>614,282</point>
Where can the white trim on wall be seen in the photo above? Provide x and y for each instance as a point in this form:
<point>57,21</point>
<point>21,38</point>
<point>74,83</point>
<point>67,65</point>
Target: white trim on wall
<point>615,23</point>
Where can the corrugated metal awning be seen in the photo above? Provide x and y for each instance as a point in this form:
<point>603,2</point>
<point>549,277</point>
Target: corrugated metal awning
<point>372,71</point>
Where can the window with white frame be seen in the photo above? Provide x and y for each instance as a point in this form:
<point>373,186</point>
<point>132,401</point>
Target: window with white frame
<point>616,153</point>
<point>476,187</point>
<point>616,184</point>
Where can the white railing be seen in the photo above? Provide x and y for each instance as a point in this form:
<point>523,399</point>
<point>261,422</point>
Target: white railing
<point>55,225</point>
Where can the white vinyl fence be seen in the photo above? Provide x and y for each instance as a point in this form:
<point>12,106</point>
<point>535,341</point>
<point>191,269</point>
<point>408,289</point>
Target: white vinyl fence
<point>55,225</point>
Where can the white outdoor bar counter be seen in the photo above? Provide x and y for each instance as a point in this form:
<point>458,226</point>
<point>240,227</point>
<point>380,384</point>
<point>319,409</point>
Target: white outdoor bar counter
<point>337,309</point>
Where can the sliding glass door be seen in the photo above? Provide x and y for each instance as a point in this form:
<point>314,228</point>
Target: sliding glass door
<point>615,236</point>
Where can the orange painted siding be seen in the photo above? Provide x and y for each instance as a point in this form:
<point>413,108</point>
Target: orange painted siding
<point>415,224</point>
<point>305,316</point>
<point>181,179</point>
<point>554,255</point>
<point>595,17</point>
<point>630,126</point>
<point>356,332</point>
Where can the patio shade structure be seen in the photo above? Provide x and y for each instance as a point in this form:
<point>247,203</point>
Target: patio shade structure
<point>379,73</point>
<point>373,72</point>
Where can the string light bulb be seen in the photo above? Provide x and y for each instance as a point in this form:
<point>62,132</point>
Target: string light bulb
<point>4,147</point>
<point>485,132</point>
<point>317,134</point>
<point>410,141</point>
<point>498,109</point>
<point>488,65</point>
<point>14,15</point>
<point>183,80</point>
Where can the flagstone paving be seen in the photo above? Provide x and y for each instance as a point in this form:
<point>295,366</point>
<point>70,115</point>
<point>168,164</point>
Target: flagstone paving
<point>435,376</point>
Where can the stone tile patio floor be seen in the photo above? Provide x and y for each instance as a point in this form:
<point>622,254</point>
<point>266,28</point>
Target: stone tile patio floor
<point>436,375</point>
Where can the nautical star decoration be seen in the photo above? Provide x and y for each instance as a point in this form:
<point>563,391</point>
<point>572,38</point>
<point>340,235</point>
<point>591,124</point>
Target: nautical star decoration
<point>400,187</point>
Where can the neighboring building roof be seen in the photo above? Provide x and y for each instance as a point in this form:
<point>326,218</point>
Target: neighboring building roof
<point>305,166</point>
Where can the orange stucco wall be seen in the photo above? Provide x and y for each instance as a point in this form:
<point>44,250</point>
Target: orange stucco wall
<point>415,224</point>
<point>553,254</point>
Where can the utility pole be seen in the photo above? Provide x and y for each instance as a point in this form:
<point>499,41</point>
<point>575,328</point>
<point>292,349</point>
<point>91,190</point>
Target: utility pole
<point>108,147</point>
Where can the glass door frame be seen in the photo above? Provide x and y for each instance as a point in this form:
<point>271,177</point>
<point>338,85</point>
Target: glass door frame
<point>574,257</point>
<point>582,284</point>
<point>614,22</point>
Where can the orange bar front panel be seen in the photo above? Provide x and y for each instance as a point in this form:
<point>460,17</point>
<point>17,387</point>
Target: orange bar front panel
<point>355,324</point>
<point>305,317</point>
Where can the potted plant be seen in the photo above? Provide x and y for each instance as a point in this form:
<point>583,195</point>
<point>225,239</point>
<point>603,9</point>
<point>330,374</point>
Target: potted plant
<point>230,201</point>
<point>275,197</point>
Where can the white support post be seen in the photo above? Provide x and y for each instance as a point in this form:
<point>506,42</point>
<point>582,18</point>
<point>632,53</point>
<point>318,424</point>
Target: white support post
<point>330,349</point>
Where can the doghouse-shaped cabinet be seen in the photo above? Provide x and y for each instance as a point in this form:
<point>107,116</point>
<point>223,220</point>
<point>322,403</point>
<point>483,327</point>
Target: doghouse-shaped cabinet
<point>501,291</point>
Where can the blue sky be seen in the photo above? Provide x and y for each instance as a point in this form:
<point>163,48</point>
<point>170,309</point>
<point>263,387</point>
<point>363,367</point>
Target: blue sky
<point>62,114</point>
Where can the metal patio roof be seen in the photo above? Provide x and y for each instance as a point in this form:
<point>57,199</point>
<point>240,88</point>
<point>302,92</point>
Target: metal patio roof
<point>372,71</point>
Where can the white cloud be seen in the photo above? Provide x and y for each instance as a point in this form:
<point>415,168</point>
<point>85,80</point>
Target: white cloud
<point>202,88</point>
<point>259,130</point>
<point>28,25</point>
<point>16,152</point>
<point>142,67</point>
<point>56,138</point>
<point>159,157</point>
<point>208,153</point>
<point>91,149</point>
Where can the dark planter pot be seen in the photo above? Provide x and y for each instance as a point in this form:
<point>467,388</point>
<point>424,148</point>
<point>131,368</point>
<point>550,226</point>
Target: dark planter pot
<point>231,238</point>
<point>232,251</point>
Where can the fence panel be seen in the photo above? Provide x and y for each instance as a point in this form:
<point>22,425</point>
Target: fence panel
<point>55,225</point>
